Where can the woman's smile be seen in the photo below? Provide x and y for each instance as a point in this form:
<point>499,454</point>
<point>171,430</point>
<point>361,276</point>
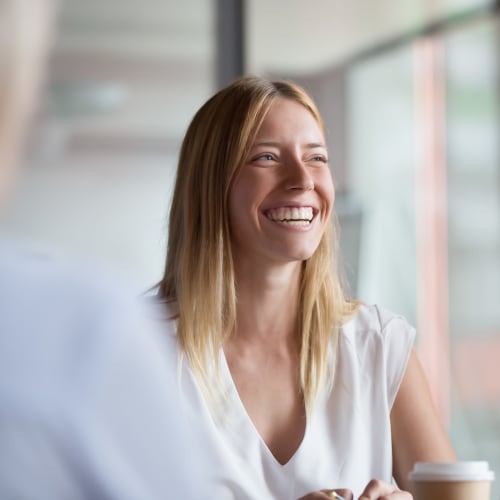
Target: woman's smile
<point>291,216</point>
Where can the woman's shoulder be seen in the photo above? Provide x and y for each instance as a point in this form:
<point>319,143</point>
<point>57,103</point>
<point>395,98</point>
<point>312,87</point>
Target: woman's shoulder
<point>376,344</point>
<point>375,320</point>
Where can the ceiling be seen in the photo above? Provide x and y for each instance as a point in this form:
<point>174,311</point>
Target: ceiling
<point>129,75</point>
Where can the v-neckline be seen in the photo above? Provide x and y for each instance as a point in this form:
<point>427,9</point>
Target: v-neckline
<point>249,422</point>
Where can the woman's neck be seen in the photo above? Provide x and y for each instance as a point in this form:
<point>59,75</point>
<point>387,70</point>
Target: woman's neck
<point>267,303</point>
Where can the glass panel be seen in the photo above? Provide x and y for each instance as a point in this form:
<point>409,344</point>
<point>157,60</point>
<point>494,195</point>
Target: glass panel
<point>389,180</point>
<point>381,178</point>
<point>474,240</point>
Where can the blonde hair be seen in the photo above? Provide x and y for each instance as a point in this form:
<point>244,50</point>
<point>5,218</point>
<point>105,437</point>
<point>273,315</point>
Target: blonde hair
<point>199,272</point>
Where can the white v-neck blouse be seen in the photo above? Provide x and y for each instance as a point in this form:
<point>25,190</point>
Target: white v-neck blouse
<point>347,440</point>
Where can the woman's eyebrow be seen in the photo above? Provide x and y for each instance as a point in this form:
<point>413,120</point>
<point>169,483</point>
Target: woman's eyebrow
<point>275,144</point>
<point>266,143</point>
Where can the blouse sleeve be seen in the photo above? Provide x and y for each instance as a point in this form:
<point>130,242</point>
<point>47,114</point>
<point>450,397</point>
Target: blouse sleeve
<point>398,339</point>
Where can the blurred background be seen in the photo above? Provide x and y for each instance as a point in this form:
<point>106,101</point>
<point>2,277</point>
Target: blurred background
<point>410,93</point>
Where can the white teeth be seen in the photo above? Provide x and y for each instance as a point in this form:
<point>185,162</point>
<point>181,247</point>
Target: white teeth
<point>294,215</point>
<point>296,222</point>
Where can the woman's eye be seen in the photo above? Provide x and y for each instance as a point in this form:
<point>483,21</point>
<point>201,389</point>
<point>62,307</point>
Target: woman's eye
<point>321,159</point>
<point>265,157</point>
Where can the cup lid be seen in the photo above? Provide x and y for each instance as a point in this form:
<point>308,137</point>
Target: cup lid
<point>452,471</point>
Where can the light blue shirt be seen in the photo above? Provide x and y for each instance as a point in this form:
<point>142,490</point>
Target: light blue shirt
<point>88,401</point>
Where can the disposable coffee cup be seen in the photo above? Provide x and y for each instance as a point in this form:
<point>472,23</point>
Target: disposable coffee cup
<point>451,480</point>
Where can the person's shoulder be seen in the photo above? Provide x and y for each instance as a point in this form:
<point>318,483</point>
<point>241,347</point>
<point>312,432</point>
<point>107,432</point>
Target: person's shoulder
<point>163,312</point>
<point>62,317</point>
<point>376,333</point>
<point>35,273</point>
<point>373,319</point>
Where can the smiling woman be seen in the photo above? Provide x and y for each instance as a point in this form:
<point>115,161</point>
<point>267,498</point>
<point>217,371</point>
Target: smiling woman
<point>200,267</point>
<point>294,388</point>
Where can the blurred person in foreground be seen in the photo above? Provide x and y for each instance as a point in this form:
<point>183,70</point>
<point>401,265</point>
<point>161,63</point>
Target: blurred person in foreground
<point>298,391</point>
<point>87,404</point>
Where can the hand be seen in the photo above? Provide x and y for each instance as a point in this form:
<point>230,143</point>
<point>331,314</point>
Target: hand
<point>325,494</point>
<point>379,490</point>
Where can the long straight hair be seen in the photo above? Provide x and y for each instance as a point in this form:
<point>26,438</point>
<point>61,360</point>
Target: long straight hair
<point>199,272</point>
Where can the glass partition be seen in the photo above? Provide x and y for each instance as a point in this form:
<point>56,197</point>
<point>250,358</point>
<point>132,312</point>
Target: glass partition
<point>473,131</point>
<point>424,165</point>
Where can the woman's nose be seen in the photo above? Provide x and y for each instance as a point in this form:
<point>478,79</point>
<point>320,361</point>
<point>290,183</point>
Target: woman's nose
<point>298,176</point>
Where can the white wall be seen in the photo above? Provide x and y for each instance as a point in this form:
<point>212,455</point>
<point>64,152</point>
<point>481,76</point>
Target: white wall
<point>109,209</point>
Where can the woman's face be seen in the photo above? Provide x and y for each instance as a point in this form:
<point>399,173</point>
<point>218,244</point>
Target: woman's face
<point>281,199</point>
